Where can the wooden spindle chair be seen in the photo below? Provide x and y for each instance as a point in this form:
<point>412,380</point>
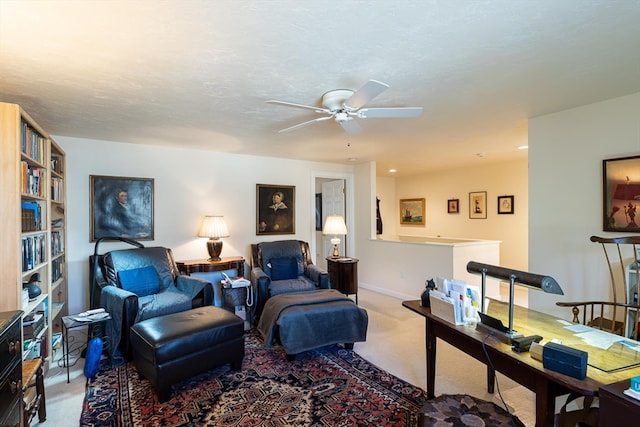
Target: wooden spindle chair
<point>618,317</point>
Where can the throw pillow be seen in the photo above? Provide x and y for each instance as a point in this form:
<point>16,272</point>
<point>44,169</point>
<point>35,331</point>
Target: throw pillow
<point>284,268</point>
<point>141,281</point>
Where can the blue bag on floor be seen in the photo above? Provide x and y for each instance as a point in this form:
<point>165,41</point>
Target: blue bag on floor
<point>92,361</point>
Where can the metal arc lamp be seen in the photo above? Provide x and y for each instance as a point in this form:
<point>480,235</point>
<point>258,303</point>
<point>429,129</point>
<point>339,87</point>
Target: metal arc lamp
<point>334,225</point>
<point>214,228</point>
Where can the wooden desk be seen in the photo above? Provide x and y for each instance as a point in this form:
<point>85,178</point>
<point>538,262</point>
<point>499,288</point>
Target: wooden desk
<point>204,265</point>
<point>520,367</point>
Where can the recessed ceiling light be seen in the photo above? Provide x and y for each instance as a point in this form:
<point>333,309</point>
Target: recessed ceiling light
<point>480,154</point>
<point>523,147</point>
<point>393,170</point>
<point>353,159</point>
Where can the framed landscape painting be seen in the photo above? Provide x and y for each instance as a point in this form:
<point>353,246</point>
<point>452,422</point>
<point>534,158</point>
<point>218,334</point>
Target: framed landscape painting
<point>412,211</point>
<point>121,207</point>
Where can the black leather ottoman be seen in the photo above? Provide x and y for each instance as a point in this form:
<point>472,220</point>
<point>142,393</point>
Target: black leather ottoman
<point>171,348</point>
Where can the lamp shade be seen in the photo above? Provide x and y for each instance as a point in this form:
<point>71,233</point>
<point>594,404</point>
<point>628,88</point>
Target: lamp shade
<point>334,225</point>
<point>213,227</point>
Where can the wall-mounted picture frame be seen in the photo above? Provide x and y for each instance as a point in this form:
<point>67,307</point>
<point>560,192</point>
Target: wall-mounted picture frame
<point>505,205</point>
<point>412,211</point>
<point>121,207</point>
<point>621,194</point>
<point>275,209</point>
<point>453,206</point>
<point>478,205</point>
<point>318,211</point>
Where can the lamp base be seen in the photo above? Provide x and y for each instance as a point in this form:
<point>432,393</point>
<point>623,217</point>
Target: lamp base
<point>335,241</point>
<point>214,247</point>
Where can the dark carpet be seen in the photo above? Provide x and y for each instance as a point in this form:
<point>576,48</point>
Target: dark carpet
<point>330,386</point>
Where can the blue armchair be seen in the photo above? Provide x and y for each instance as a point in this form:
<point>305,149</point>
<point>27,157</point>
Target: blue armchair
<point>143,283</point>
<point>281,267</point>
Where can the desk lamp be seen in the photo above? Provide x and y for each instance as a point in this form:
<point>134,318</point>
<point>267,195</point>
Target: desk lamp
<point>534,281</point>
<point>334,224</point>
<point>214,228</point>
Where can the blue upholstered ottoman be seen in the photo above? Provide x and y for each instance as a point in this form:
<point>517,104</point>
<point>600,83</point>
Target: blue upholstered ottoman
<point>304,321</point>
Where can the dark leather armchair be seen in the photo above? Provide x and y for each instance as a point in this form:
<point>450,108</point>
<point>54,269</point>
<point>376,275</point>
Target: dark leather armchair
<point>143,283</point>
<point>281,267</point>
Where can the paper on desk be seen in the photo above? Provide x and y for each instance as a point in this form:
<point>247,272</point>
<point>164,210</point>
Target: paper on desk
<point>577,328</point>
<point>600,339</point>
<point>633,345</point>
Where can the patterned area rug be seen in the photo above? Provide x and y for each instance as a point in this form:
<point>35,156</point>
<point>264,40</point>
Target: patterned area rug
<point>330,386</point>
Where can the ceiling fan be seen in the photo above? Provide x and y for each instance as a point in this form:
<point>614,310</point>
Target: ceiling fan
<point>343,105</point>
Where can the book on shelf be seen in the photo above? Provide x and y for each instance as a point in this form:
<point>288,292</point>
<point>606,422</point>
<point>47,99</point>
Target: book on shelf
<point>31,216</point>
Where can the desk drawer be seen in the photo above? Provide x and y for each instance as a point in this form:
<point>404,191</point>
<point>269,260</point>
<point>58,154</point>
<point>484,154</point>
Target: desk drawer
<point>10,390</point>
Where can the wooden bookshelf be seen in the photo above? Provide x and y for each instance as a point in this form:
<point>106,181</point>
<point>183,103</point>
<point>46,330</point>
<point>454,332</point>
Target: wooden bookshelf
<point>32,223</point>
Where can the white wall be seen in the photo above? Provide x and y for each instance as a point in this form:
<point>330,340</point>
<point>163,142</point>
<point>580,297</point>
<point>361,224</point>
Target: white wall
<point>497,179</point>
<point>566,150</point>
<point>188,185</point>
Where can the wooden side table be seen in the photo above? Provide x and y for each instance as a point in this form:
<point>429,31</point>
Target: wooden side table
<point>35,403</point>
<point>205,266</point>
<point>343,274</point>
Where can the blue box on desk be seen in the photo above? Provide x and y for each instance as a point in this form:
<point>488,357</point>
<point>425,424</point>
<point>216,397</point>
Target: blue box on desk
<point>566,360</point>
<point>635,384</point>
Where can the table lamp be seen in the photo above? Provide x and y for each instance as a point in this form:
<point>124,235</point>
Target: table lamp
<point>334,225</point>
<point>214,228</point>
<point>535,281</point>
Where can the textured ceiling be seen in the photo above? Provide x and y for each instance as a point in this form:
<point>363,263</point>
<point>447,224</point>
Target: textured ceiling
<point>196,73</point>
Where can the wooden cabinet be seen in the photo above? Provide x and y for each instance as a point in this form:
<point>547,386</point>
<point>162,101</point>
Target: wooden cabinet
<point>616,408</point>
<point>343,274</point>
<point>32,226</point>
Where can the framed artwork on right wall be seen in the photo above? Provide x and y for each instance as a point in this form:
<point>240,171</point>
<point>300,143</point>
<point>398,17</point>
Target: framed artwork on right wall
<point>505,205</point>
<point>621,194</point>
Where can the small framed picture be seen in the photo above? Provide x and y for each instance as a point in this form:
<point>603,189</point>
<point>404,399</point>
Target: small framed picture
<point>412,211</point>
<point>453,205</point>
<point>478,205</point>
<point>505,205</point>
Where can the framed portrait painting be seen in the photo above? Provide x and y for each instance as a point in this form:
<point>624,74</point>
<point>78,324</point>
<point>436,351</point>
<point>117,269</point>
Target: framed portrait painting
<point>412,211</point>
<point>121,207</point>
<point>478,205</point>
<point>453,206</point>
<point>275,209</point>
<point>621,194</point>
<point>505,205</point>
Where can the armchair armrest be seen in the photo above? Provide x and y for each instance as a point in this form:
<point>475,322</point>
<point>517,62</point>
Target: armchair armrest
<point>122,305</point>
<point>201,290</point>
<point>260,283</point>
<point>319,276</point>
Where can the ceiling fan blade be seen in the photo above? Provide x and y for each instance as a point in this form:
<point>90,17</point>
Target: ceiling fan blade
<point>366,93</point>
<point>319,119</point>
<point>397,112</point>
<point>293,104</point>
<point>350,126</point>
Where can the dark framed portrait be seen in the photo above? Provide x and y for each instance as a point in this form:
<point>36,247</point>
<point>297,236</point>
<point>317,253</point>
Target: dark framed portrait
<point>621,194</point>
<point>453,205</point>
<point>121,207</point>
<point>275,209</point>
<point>505,205</point>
